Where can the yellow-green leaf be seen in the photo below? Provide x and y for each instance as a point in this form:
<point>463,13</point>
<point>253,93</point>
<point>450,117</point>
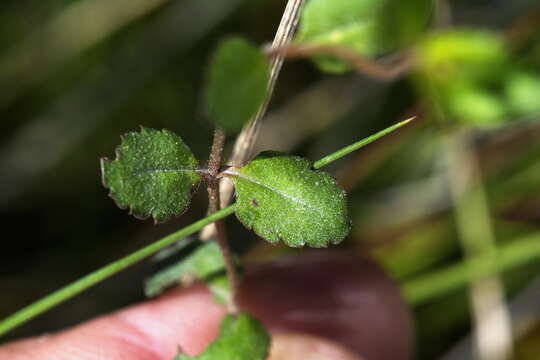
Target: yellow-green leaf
<point>368,27</point>
<point>344,23</point>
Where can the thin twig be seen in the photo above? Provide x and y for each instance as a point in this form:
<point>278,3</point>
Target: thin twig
<point>214,165</point>
<point>386,72</point>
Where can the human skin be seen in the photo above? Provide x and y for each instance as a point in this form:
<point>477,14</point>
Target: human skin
<point>188,319</point>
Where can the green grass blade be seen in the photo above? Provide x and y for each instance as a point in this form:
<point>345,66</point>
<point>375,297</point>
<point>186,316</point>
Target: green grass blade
<point>357,145</point>
<point>427,287</point>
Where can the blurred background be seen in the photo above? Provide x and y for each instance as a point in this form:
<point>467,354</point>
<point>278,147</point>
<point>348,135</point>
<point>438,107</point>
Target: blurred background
<point>449,206</point>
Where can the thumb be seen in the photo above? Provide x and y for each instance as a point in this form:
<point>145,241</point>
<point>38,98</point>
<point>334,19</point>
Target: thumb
<point>318,305</point>
<point>150,331</point>
<point>187,318</point>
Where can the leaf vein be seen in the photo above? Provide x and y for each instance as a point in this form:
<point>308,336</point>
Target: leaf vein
<point>157,171</point>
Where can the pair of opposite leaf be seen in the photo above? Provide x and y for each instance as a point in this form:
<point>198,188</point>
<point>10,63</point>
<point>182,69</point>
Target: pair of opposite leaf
<point>279,196</point>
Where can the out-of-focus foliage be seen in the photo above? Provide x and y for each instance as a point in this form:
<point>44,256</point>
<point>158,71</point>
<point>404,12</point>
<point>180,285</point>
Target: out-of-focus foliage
<point>522,90</point>
<point>237,83</point>
<point>471,77</point>
<point>401,23</point>
<point>368,27</point>
<point>343,23</point>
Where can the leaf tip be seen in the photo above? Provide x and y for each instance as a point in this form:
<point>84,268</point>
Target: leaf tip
<point>409,120</point>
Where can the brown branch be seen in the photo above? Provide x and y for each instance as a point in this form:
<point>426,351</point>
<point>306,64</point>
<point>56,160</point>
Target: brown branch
<point>386,72</point>
<point>214,165</point>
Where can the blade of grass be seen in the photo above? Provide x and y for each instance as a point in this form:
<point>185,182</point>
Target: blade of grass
<point>491,319</point>
<point>520,252</point>
<point>67,292</point>
<point>357,145</point>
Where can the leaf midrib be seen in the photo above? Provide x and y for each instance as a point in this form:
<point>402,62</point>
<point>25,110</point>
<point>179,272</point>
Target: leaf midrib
<point>158,171</point>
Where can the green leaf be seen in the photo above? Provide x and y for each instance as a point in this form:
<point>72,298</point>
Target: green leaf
<point>523,93</point>
<point>281,198</point>
<point>154,174</point>
<point>242,337</point>
<point>343,23</point>
<point>401,23</point>
<point>463,72</point>
<point>204,263</point>
<point>237,83</point>
<point>463,55</point>
<point>368,27</point>
<point>476,106</point>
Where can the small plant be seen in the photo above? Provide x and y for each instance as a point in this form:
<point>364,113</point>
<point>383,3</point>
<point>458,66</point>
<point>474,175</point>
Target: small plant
<point>282,198</point>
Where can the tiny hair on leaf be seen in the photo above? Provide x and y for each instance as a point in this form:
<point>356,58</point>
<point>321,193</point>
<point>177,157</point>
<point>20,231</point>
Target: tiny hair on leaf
<point>282,198</point>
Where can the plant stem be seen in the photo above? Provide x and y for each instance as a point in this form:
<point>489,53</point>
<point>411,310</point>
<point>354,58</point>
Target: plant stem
<point>357,145</point>
<point>214,165</point>
<point>217,151</point>
<point>48,302</point>
<point>521,251</point>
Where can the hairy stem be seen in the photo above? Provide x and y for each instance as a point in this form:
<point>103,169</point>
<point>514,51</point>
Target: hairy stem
<point>214,165</point>
<point>59,296</point>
